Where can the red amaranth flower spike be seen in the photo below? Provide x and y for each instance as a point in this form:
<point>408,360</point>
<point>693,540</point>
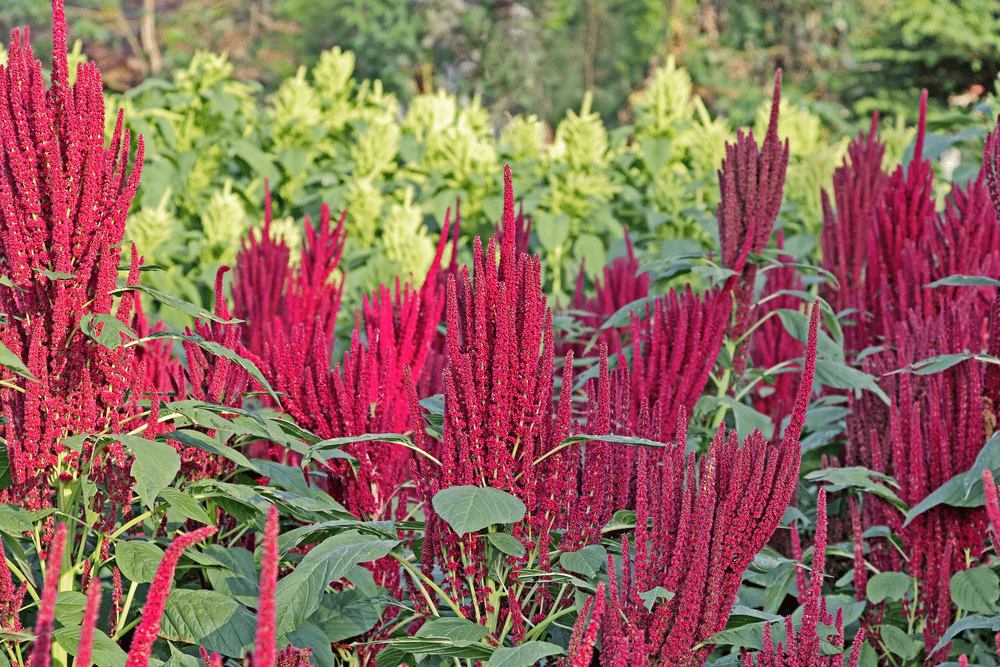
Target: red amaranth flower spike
<point>584,637</point>
<point>751,182</point>
<point>156,600</point>
<point>41,650</point>
<point>992,508</point>
<point>265,649</point>
<point>89,624</point>
<point>64,199</point>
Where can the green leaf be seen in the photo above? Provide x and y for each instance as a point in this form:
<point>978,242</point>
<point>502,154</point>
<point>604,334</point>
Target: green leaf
<point>622,316</point>
<point>178,304</point>
<point>959,280</point>
<point>891,586</point>
<point>586,561</point>
<point>104,652</point>
<point>964,489</point>
<point>797,325</point>
<point>748,420</point>
<point>841,376</point>
<point>976,589</point>
<point>210,620</point>
<point>299,593</point>
<point>111,330</point>
<point>552,230</point>
<point>468,509</point>
<point>620,520</point>
<point>138,560</point>
<point>220,350</point>
<point>70,606</point>
<point>749,636</point>
<point>767,560</point>
<point>525,655</point>
<point>347,613</point>
<point>155,466</point>
<point>991,623</point>
<point>857,477</point>
<point>650,597</point>
<point>898,642</point>
<point>187,505</point>
<point>13,363</point>
<point>458,631</point>
<point>203,442</point>
<point>616,439</point>
<point>656,153</point>
<point>506,543</point>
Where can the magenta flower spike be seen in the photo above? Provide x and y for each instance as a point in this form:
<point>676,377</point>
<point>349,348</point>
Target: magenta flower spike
<point>89,624</point>
<point>156,600</point>
<point>265,648</point>
<point>64,198</point>
<point>584,637</point>
<point>992,507</point>
<point>41,650</point>
<point>802,648</point>
<point>751,182</point>
<point>741,491</point>
<point>857,188</point>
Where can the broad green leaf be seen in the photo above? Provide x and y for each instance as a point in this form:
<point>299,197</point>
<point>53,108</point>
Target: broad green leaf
<point>209,619</point>
<point>616,439</point>
<point>104,653</point>
<point>220,350</point>
<point>56,275</point>
<point>622,316</point>
<point>138,560</point>
<point>111,330</point>
<point>898,642</point>
<point>741,615</point>
<point>334,444</point>
<point>749,636</point>
<point>299,593</point>
<point>347,613</point>
<point>458,631</point>
<point>767,559</point>
<point>964,489</point>
<point>155,466</point>
<point>976,589</point>
<point>620,520</point>
<point>959,280</point>
<point>991,623</point>
<point>70,606</point>
<point>525,655</point>
<point>650,597</point>
<point>13,363</point>
<point>891,586</point>
<point>441,647</point>
<point>317,531</point>
<point>748,420</point>
<point>178,304</point>
<point>203,442</point>
<point>309,635</point>
<point>796,323</point>
<point>186,505</point>
<point>552,230</point>
<point>858,477</point>
<point>468,509</point>
<point>506,543</point>
<point>586,561</point>
<point>841,376</point>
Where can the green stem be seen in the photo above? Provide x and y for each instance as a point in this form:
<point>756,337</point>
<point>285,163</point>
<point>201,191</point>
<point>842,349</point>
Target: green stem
<point>434,587</point>
<point>125,610</point>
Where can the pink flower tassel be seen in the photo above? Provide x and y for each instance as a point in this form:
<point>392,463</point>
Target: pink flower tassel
<point>149,628</point>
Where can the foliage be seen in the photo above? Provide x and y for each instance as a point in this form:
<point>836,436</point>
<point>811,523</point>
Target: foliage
<point>480,475</point>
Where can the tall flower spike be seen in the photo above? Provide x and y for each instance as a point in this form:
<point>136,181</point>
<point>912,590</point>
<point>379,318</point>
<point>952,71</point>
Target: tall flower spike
<point>89,624</point>
<point>41,651</point>
<point>156,600</point>
<point>751,182</point>
<point>265,648</point>
<point>64,199</point>
<point>992,508</point>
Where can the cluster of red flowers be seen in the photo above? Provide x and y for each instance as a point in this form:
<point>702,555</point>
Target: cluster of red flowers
<point>886,244</point>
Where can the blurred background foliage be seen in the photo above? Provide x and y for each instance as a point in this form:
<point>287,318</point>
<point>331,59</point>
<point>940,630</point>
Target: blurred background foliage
<point>845,57</point>
<point>612,114</point>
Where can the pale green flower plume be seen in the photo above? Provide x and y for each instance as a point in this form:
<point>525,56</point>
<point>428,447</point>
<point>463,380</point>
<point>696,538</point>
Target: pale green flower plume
<point>287,230</point>
<point>667,103</point>
<point>3,55</point>
<point>223,223</point>
<point>800,127</point>
<point>296,110</point>
<point>523,138</point>
<point>375,151</point>
<point>581,139</point>
<point>364,211</point>
<point>332,73</point>
<point>430,113</point>
<point>150,228</point>
<point>405,241</point>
